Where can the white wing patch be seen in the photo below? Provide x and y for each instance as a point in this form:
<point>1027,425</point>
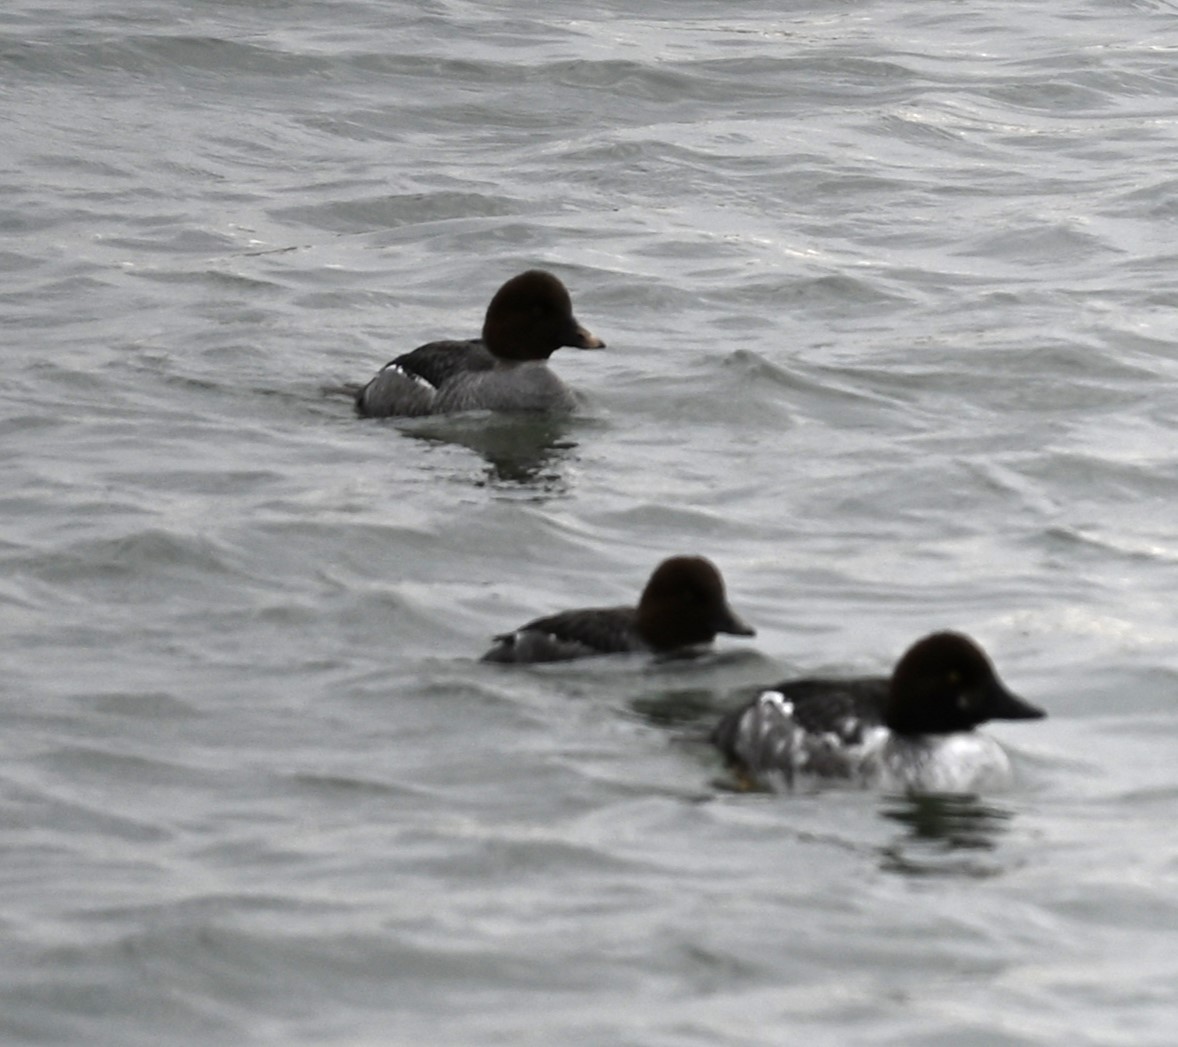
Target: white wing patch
<point>396,368</point>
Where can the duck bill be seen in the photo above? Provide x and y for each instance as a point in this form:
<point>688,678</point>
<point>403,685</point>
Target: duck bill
<point>1002,704</point>
<point>581,338</point>
<point>730,622</point>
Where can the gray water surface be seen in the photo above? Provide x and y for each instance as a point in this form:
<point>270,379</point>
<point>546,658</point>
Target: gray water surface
<point>890,302</point>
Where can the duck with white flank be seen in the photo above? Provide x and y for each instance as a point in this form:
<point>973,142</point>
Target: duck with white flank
<point>530,317</point>
<point>914,731</point>
<point>683,605</point>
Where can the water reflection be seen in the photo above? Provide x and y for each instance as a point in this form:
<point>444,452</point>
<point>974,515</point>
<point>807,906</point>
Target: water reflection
<point>521,450</point>
<point>678,708</point>
<point>709,675</point>
<point>944,834</point>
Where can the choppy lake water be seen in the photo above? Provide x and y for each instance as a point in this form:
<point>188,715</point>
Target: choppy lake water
<point>890,302</point>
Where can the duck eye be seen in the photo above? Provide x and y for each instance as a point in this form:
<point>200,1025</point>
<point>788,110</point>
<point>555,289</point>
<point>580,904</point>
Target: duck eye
<point>954,677</point>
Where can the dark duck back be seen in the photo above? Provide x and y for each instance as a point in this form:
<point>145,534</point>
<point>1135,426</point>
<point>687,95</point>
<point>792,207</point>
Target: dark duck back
<point>683,605</point>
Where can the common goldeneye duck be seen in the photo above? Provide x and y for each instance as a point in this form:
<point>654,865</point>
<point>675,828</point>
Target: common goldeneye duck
<point>914,731</point>
<point>530,317</point>
<point>682,606</point>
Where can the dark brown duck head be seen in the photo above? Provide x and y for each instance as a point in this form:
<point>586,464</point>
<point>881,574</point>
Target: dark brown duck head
<point>946,683</point>
<point>531,316</point>
<point>684,604</point>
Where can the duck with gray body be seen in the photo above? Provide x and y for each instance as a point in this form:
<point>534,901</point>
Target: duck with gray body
<point>683,606</point>
<point>530,317</point>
